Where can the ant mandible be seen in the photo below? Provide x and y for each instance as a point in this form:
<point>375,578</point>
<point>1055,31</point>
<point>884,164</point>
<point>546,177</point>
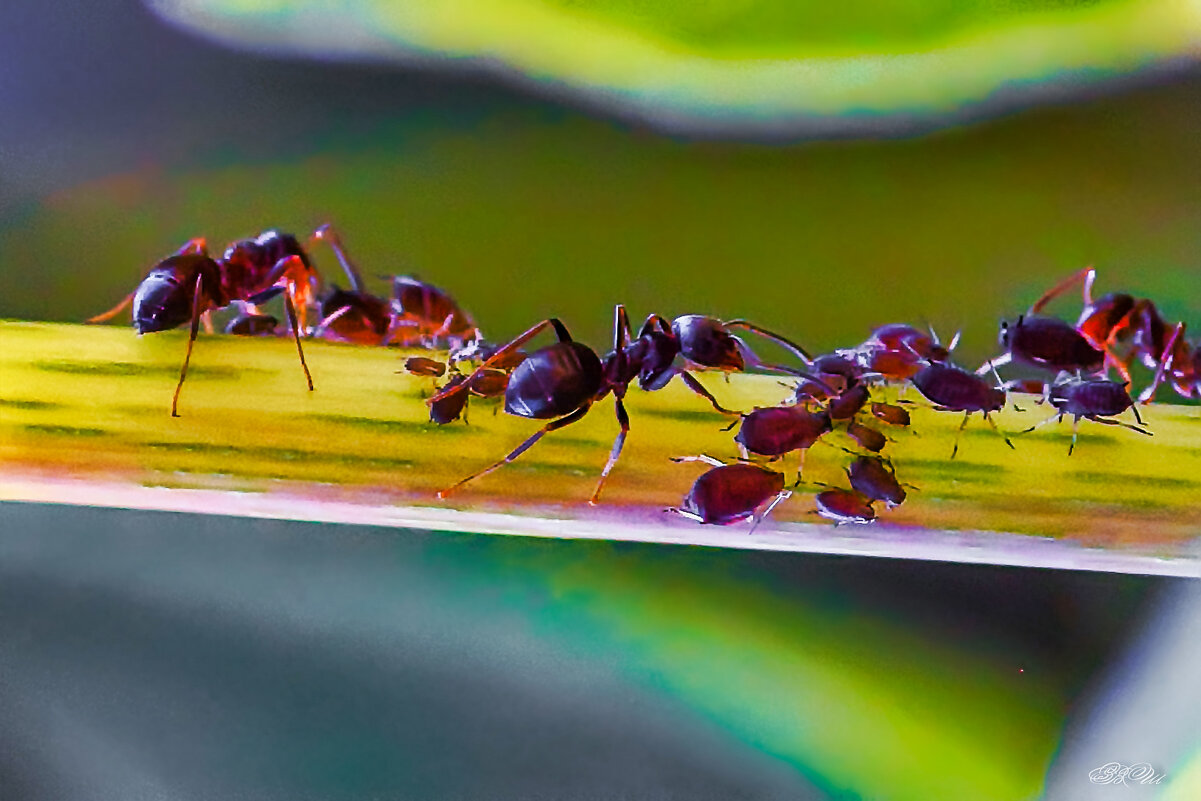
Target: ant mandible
<point>190,283</point>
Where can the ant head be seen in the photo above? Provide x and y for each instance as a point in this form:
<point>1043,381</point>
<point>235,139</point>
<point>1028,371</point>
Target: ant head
<point>706,342</point>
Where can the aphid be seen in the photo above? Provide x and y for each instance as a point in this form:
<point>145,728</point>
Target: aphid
<point>449,406</point>
<point>778,430</point>
<point>251,324</point>
<point>874,478</point>
<point>895,352</point>
<point>834,373</point>
<point>890,413</point>
<point>419,365</point>
<point>849,403</point>
<point>1048,343</point>
<point>190,283</point>
<point>1093,399</point>
<point>953,389</point>
<point>867,437</point>
<point>845,506</point>
<point>729,493</point>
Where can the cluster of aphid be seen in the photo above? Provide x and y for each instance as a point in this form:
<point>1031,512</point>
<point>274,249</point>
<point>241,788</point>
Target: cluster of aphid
<point>559,383</point>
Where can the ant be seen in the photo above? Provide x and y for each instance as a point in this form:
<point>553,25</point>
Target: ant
<point>730,493</point>
<point>190,283</point>
<point>1094,399</point>
<point>953,389</point>
<point>561,381</point>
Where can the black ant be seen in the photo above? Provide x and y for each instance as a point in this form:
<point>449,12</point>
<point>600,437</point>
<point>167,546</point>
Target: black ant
<point>561,382</point>
<point>1092,399</point>
<point>189,284</point>
<point>730,493</point>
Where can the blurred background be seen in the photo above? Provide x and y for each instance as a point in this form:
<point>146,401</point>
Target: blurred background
<point>818,172</point>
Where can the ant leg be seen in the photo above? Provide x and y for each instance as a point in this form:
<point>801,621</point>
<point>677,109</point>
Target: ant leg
<point>782,495</point>
<point>1087,275</point>
<point>621,327</point>
<point>763,332</point>
<point>652,322</point>
<point>1148,394</point>
<point>293,269</point>
<point>291,308</point>
<point>707,459</point>
<point>574,417</point>
<point>959,431</point>
<point>699,389</point>
<point>321,327</point>
<point>994,428</point>
<point>113,312</point>
<point>183,370</point>
<point>623,420</point>
<point>207,319</point>
<point>329,236</point>
<point>501,353</point>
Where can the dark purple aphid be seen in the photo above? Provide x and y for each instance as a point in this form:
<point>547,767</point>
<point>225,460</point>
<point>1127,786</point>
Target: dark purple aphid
<point>849,403</point>
<point>953,389</point>
<point>876,480</point>
<point>845,506</point>
<point>1092,399</point>
<point>729,493</point>
<point>449,407</point>
<point>867,437</point>
<point>779,430</point>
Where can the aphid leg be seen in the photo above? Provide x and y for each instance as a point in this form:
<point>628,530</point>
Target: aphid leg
<point>113,312</point>
<point>988,417</point>
<point>763,332</point>
<point>699,389</point>
<point>1120,423</point>
<point>704,457</point>
<point>329,236</point>
<point>1075,432</point>
<point>623,420</point>
<point>1137,417</point>
<point>782,495</point>
<point>553,322</point>
<point>959,431</point>
<point>183,370</point>
<point>1057,417</point>
<point>291,309</point>
<point>1148,394</point>
<point>1087,275</point>
<point>693,516</point>
<point>553,425</point>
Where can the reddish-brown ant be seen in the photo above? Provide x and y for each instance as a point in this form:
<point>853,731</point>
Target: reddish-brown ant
<point>190,283</point>
<point>1092,399</point>
<point>730,493</point>
<point>953,389</point>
